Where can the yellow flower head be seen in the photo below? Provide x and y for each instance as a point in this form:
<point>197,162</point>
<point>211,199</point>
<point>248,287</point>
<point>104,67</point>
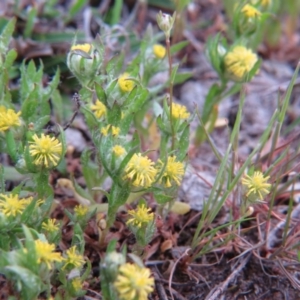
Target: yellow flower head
<point>46,150</point>
<point>50,225</point>
<point>45,253</point>
<point>99,109</point>
<point>118,150</point>
<point>240,61</point>
<point>81,210</point>
<point>262,2</point>
<point>174,171</point>
<point>11,205</point>
<point>114,130</point>
<point>30,199</point>
<point>179,111</point>
<point>140,216</point>
<point>125,84</point>
<point>73,259</point>
<point>256,185</point>
<point>250,11</point>
<point>83,47</point>
<point>8,118</point>
<point>140,171</point>
<point>134,282</point>
<point>159,51</point>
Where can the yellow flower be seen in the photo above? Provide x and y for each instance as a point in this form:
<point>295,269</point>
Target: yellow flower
<point>140,216</point>
<point>99,109</point>
<point>250,11</point>
<point>240,61</point>
<point>73,259</point>
<point>50,225</point>
<point>45,253</point>
<point>8,118</point>
<point>159,51</point>
<point>77,285</point>
<point>140,171</point>
<point>29,200</point>
<point>81,210</point>
<point>114,130</point>
<point>256,185</point>
<point>11,205</point>
<point>133,282</point>
<point>174,171</point>
<point>118,150</point>
<point>179,111</point>
<point>262,2</point>
<point>83,47</point>
<point>46,150</point>
<point>126,85</point>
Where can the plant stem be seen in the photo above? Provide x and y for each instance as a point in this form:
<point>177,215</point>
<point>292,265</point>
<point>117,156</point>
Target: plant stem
<point>170,91</point>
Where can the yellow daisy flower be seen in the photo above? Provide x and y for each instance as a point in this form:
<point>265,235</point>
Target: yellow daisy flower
<point>134,282</point>
<point>8,118</point>
<point>250,11</point>
<point>140,171</point>
<point>81,210</point>
<point>179,111</point>
<point>173,172</point>
<point>45,253</point>
<point>73,259</point>
<point>114,130</point>
<point>256,185</point>
<point>125,84</point>
<point>50,225</point>
<point>140,216</point>
<point>11,205</point>
<point>118,150</point>
<point>99,109</point>
<point>159,51</point>
<point>45,150</point>
<point>240,61</point>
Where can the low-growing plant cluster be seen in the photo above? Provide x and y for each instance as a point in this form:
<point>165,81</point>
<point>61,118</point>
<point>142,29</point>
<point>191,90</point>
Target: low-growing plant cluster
<point>140,138</point>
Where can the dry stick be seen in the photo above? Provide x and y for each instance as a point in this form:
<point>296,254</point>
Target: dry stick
<point>159,287</point>
<point>76,99</point>
<point>216,293</point>
<point>185,253</point>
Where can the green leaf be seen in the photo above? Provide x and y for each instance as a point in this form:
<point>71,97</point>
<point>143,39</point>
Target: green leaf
<point>41,122</point>
<point>182,77</point>
<point>183,144</point>
<point>32,283</point>
<point>6,35</point>
<point>115,12</point>
<point>30,106</point>
<point>30,21</point>
<point>177,47</point>
<point>117,197</point>
<point>75,8</point>
<point>100,93</point>
<point>10,58</point>
<point>115,65</point>
<point>162,198</point>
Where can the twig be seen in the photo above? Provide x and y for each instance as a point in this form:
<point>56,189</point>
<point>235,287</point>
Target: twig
<point>216,293</point>
<point>76,99</point>
<point>185,253</point>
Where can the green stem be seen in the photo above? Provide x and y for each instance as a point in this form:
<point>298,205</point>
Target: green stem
<point>170,91</point>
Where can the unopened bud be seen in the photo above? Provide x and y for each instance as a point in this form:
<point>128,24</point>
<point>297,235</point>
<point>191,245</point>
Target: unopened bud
<point>165,22</point>
<point>83,60</point>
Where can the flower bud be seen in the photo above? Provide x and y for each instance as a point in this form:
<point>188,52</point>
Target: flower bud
<point>165,22</point>
<point>83,60</point>
<point>111,264</point>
